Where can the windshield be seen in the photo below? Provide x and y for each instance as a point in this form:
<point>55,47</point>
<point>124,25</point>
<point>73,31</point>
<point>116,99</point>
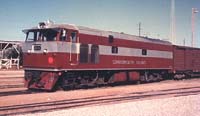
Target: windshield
<point>42,35</point>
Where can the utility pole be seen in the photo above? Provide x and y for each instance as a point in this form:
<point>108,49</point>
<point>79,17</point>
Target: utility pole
<point>194,10</point>
<point>139,29</point>
<point>172,23</point>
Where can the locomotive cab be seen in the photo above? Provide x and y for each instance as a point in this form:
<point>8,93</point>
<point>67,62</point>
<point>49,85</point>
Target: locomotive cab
<point>45,43</point>
<point>51,32</point>
<point>48,48</point>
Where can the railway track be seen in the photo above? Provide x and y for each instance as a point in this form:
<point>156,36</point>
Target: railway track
<point>11,86</point>
<point>97,100</point>
<point>11,79</point>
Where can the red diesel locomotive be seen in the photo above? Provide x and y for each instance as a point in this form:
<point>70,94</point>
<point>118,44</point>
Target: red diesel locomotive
<point>72,56</point>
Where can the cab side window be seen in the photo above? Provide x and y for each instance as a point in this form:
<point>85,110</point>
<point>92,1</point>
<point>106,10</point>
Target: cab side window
<point>63,35</point>
<point>73,36</point>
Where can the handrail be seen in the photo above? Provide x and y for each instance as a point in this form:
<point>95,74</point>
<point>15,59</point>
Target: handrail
<point>9,63</point>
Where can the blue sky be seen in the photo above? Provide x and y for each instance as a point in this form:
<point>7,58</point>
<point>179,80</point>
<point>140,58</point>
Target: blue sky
<point>115,15</point>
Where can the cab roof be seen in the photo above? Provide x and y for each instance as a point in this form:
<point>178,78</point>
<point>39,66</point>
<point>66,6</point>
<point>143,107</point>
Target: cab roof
<point>52,26</point>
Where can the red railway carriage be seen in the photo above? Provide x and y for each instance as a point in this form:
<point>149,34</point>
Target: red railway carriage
<point>74,56</point>
<point>186,61</point>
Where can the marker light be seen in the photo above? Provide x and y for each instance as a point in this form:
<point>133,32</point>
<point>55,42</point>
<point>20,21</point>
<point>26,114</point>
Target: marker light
<point>50,60</point>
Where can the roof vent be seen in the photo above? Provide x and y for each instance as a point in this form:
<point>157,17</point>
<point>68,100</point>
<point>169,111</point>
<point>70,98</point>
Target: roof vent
<point>41,25</point>
<point>49,22</point>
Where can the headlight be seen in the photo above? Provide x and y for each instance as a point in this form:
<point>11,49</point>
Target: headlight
<point>29,51</point>
<point>45,51</point>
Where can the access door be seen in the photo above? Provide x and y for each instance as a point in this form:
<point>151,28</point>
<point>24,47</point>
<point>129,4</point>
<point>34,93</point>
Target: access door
<point>74,47</point>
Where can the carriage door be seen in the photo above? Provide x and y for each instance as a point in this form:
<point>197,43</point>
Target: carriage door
<point>74,48</point>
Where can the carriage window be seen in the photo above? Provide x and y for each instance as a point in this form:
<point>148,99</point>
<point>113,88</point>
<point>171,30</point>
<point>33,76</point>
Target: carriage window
<point>144,52</point>
<point>95,54</point>
<point>63,35</point>
<point>73,36</point>
<point>84,53</point>
<point>114,49</point>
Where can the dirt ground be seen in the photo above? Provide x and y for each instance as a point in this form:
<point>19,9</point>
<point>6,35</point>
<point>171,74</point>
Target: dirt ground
<point>9,99</point>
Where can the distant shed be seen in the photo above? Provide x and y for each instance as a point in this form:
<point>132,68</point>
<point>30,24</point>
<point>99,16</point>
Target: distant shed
<point>10,54</point>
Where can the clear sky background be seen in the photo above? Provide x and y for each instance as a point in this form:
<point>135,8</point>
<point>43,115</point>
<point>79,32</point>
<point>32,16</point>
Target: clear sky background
<point>115,15</point>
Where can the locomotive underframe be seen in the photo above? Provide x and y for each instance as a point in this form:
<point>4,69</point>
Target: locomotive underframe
<point>49,80</point>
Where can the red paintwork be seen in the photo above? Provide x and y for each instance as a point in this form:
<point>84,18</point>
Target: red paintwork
<point>42,60</point>
<point>98,40</point>
<point>61,61</point>
<point>186,58</point>
<point>134,76</point>
<point>46,81</point>
<point>120,77</point>
<point>125,76</point>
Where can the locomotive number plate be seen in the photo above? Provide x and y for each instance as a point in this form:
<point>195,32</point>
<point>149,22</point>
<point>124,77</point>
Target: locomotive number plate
<point>37,47</point>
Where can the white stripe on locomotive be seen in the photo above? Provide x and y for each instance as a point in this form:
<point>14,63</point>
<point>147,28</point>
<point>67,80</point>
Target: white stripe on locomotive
<point>67,47</point>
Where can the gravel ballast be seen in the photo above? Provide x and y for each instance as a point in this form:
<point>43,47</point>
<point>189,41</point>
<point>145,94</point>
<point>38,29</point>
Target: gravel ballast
<point>179,106</point>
